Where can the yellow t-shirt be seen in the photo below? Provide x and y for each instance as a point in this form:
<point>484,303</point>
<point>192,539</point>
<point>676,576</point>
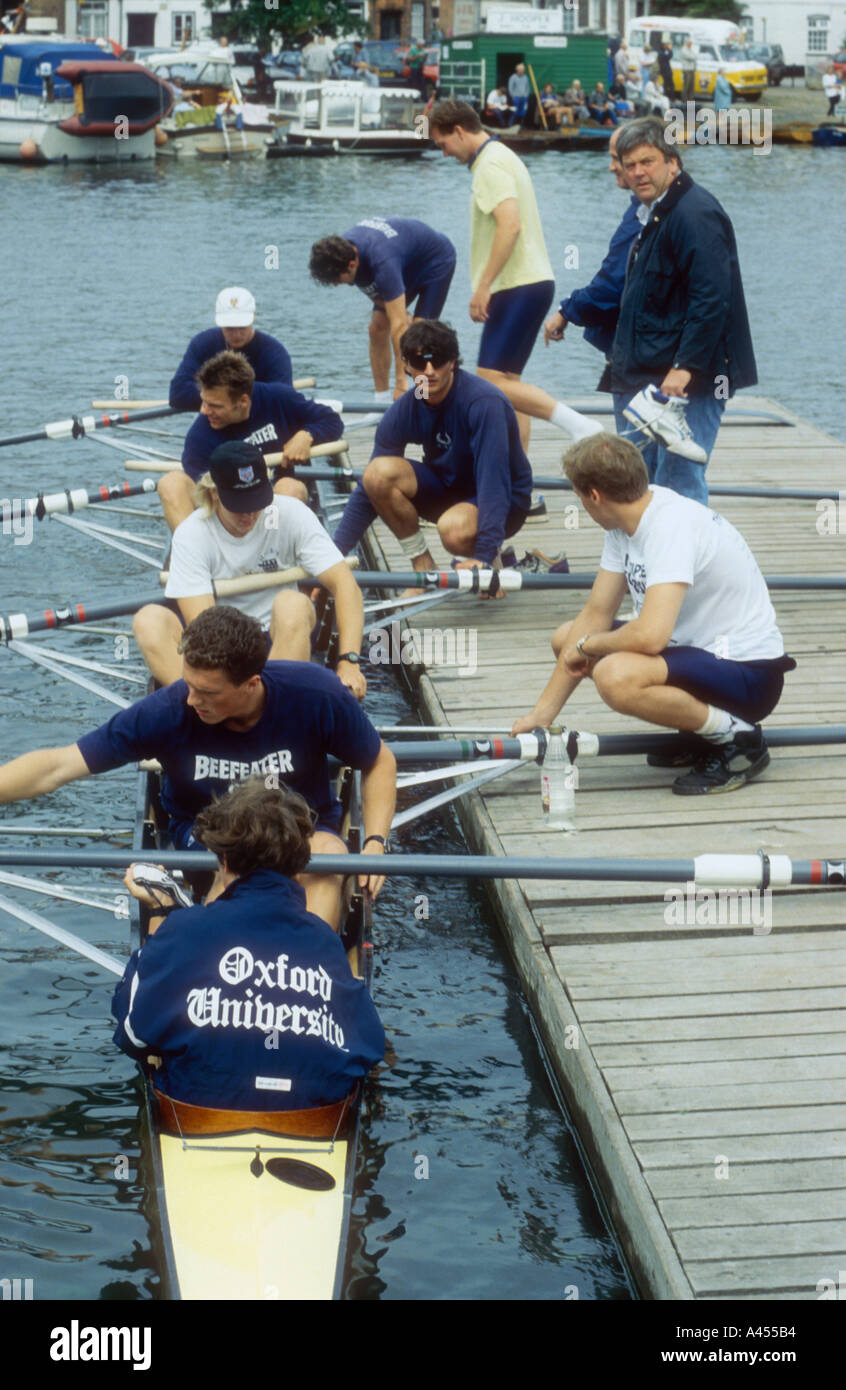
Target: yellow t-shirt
<point>499,174</point>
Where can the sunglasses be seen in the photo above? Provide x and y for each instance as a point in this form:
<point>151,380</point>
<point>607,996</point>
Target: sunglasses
<point>417,360</point>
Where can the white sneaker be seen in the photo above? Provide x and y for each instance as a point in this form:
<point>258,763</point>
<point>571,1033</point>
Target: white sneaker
<point>663,418</point>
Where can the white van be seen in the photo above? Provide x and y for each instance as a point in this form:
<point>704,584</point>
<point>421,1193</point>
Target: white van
<point>721,45</point>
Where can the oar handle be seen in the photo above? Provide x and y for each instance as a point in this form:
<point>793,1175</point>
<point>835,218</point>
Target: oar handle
<point>336,446</point>
<point>263,579</point>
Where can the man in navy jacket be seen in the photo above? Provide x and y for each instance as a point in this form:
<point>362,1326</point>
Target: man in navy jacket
<point>683,328</point>
<point>236,406</point>
<point>248,1003</point>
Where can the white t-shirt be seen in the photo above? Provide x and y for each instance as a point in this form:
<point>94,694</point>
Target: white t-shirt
<point>287,533</point>
<point>726,609</point>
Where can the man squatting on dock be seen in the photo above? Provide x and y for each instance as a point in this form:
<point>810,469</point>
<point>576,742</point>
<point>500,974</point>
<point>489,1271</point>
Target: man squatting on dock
<point>241,526</point>
<point>235,714</point>
<point>702,655</point>
<point>236,406</point>
<point>209,1040</point>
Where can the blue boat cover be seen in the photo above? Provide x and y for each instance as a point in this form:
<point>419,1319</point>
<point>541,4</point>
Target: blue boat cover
<point>19,64</point>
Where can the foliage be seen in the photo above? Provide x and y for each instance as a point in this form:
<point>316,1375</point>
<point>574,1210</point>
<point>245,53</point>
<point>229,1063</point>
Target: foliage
<point>704,9</point>
<point>265,22</point>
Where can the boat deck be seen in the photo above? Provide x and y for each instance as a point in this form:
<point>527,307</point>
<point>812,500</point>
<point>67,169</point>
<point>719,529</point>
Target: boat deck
<point>704,1063</point>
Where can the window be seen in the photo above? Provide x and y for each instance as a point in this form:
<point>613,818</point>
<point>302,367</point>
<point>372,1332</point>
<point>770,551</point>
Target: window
<point>818,33</point>
<point>569,19</point>
<point>183,27</point>
<point>94,19</point>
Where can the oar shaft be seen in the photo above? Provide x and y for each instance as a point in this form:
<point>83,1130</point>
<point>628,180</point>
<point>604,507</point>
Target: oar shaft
<point>66,938</point>
<point>75,499</point>
<point>480,580</point>
<point>744,870</point>
<point>79,425</point>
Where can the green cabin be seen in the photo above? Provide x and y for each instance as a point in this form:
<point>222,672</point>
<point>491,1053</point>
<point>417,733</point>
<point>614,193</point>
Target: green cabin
<point>472,64</point>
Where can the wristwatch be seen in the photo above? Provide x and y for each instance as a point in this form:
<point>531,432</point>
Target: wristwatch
<point>352,657</point>
<point>383,841</point>
<point>580,645</point>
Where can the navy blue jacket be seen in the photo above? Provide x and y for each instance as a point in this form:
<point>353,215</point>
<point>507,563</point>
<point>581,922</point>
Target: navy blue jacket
<point>266,355</point>
<point>250,1002</point>
<point>683,303</point>
<point>277,413</point>
<point>596,307</point>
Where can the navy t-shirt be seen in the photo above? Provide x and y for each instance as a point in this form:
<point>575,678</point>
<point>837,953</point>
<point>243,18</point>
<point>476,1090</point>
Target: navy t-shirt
<point>266,355</point>
<point>215,986</point>
<point>308,715</point>
<point>398,255</point>
<point>277,412</point>
<point>472,441</point>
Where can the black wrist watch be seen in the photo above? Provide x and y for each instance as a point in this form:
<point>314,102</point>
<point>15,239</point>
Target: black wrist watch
<point>383,840</point>
<point>351,657</point>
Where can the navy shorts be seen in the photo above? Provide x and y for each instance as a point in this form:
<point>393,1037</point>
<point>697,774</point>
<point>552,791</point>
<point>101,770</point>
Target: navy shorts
<point>432,297</point>
<point>515,318</point>
<point>433,498</point>
<point>748,689</point>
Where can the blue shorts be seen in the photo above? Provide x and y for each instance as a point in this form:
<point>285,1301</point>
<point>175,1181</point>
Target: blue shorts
<point>433,498</point>
<point>515,318</point>
<point>748,689</point>
<point>432,297</point>
<point>181,832</point>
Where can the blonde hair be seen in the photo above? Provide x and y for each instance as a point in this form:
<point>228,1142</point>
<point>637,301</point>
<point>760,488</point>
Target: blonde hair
<point>205,496</point>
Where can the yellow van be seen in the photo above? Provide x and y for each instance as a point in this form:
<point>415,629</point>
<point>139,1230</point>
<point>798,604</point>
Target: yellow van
<point>721,45</point>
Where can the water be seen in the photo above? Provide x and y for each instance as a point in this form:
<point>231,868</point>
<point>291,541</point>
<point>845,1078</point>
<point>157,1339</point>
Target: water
<point>112,271</point>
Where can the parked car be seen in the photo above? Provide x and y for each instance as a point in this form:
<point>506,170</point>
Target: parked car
<point>282,66</point>
<point>772,56</point>
<point>839,61</point>
<point>388,56</point>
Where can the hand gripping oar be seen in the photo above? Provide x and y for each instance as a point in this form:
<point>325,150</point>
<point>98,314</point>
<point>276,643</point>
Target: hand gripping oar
<point>33,919</point>
<point>80,425</point>
<point>318,451</point>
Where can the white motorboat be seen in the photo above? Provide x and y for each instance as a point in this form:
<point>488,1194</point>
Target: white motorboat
<point>343,117</point>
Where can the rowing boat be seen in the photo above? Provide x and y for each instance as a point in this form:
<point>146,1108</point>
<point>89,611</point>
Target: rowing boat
<point>254,1205</point>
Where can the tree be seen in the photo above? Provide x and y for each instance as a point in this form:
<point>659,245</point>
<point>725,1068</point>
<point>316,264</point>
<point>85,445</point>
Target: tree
<point>264,21</point>
<point>705,9</point>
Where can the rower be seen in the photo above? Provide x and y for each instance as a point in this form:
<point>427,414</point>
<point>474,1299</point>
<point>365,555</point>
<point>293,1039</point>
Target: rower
<point>232,715</point>
<point>242,527</point>
<point>235,406</point>
<point>249,1002</point>
<point>475,481</point>
<point>702,655</point>
<point>234,314</point>
<point>394,261</point>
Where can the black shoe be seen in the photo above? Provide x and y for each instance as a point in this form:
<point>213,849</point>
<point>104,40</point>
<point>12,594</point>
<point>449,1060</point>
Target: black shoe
<point>537,512</point>
<point>681,757</point>
<point>727,766</point>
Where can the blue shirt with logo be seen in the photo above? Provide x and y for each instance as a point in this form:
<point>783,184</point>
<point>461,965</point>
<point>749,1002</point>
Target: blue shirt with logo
<point>266,355</point>
<point>472,442</point>
<point>277,413</point>
<point>309,715</point>
<point>250,1002</point>
<point>398,255</point>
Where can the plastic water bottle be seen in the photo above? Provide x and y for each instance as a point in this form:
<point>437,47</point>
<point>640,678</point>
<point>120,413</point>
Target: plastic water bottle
<point>558,784</point>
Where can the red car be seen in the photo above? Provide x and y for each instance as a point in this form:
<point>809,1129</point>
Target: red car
<point>839,61</point>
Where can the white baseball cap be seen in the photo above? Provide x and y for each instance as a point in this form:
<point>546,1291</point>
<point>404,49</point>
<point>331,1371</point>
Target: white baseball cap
<point>235,308</point>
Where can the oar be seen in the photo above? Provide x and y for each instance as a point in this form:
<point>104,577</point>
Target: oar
<point>80,425</point>
<point>318,451</point>
<point>302,384</point>
<point>22,624</point>
<point>759,870</point>
<point>483,581</point>
<point>531,747</point>
<point>33,919</point>
<point>73,499</point>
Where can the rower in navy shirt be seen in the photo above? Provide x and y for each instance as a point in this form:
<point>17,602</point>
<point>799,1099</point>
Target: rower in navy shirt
<point>475,480</point>
<point>394,261</point>
<point>234,715</point>
<point>234,314</point>
<point>212,986</point>
<point>235,406</point>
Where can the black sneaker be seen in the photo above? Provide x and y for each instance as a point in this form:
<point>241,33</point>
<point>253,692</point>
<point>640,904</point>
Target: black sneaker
<point>727,766</point>
<point>681,757</point>
<point>537,512</point>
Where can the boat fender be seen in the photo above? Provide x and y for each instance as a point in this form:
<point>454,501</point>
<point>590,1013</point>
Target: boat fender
<point>161,136</point>
<point>300,1174</point>
<point>28,148</point>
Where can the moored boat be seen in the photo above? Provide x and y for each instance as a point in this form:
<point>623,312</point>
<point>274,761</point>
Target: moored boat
<point>60,100</point>
<point>334,117</point>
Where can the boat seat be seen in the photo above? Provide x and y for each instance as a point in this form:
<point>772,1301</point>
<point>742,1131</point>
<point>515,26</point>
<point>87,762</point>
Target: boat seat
<point>322,1122</point>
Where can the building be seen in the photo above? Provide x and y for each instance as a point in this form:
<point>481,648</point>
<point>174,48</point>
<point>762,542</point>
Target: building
<point>808,30</point>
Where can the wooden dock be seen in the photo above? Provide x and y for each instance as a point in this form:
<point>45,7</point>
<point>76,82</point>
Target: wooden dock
<point>703,1058</point>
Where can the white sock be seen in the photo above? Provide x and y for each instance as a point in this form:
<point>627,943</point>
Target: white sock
<point>721,727</point>
<point>414,545</point>
<point>572,423</point>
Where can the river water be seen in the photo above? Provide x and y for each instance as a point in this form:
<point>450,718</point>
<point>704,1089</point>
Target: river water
<point>107,274</point>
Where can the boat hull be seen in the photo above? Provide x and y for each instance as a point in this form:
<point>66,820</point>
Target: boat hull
<point>56,146</point>
<point>380,142</point>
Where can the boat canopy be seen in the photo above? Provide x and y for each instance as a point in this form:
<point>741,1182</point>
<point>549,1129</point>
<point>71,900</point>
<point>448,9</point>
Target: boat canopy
<point>19,64</point>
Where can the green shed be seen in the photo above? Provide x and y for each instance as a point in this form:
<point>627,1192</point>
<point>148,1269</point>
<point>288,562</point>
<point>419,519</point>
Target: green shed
<point>472,64</point>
